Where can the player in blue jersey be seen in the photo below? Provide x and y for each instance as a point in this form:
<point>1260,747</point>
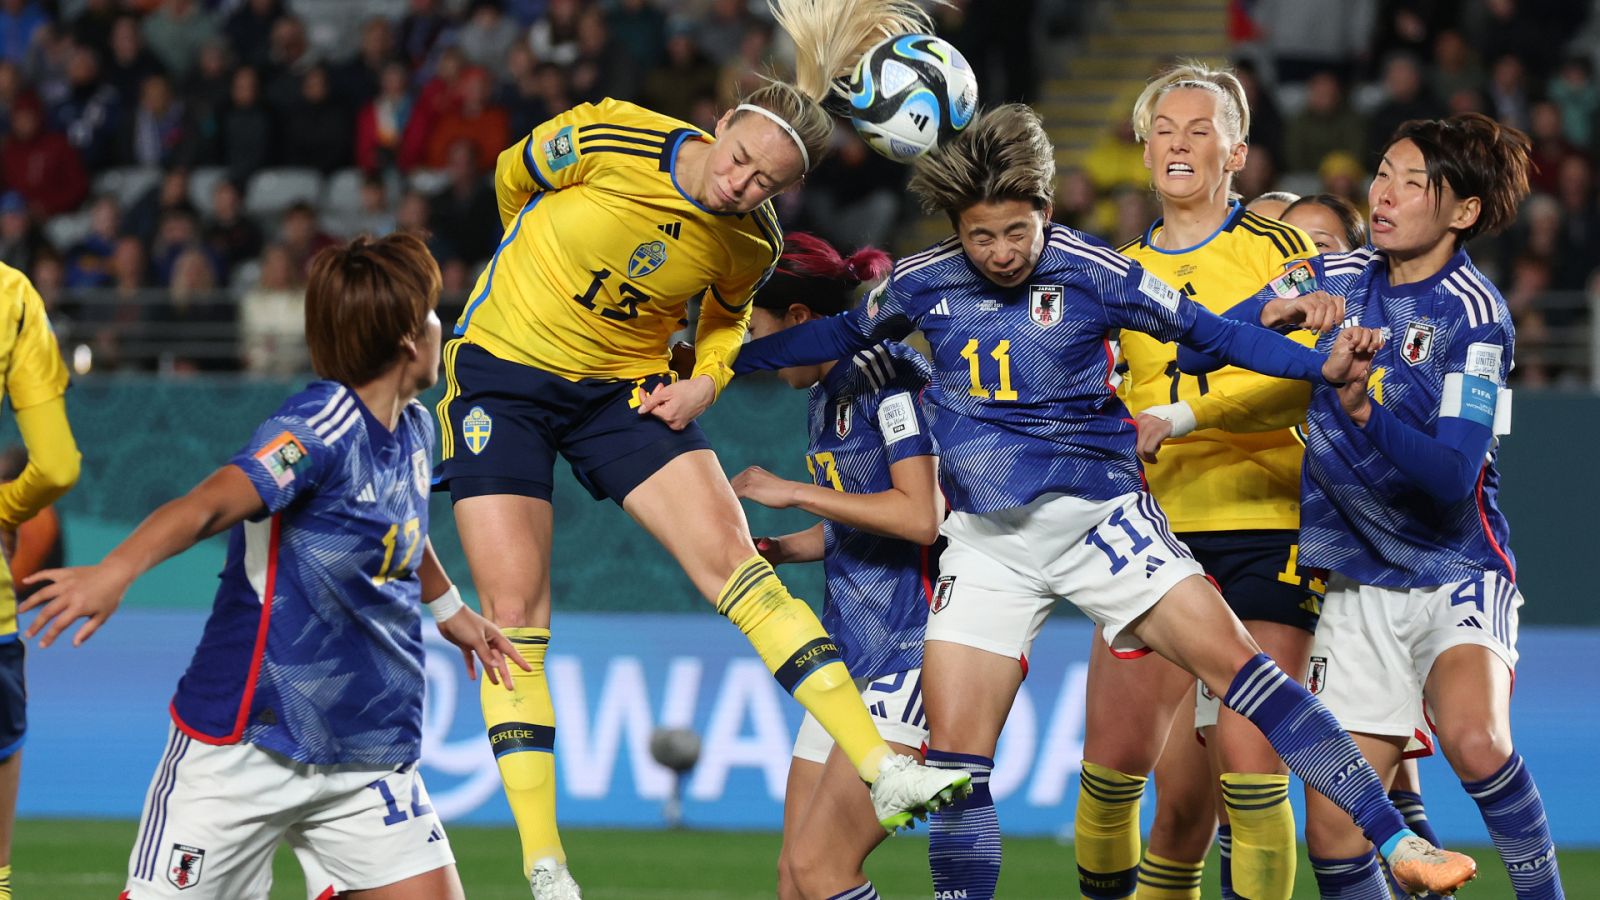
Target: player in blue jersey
<point>1037,460</point>
<point>1399,493</point>
<point>874,483</point>
<point>300,716</point>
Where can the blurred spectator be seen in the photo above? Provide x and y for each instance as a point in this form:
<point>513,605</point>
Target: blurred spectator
<point>88,113</point>
<point>1408,27</point>
<point>1134,210</point>
<point>144,216</point>
<point>1455,66</point>
<point>131,63</point>
<point>320,136</point>
<point>1508,92</point>
<point>91,27</point>
<point>640,30</point>
<point>419,30</point>
<point>385,135</point>
<point>1550,146</point>
<point>247,131</point>
<point>1404,98</point>
<point>47,62</point>
<point>176,32</point>
<point>1342,176</point>
<point>360,79</point>
<point>685,77</point>
<point>601,69</point>
<point>470,118</point>
<point>743,73</point>
<point>178,234</point>
<point>1260,172</point>
<point>466,209</point>
<point>1573,90</point>
<point>89,260</point>
<point>302,236</point>
<point>160,132</point>
<point>1266,119</point>
<point>1116,160</point>
<point>203,317</point>
<point>49,277</point>
<point>554,38</point>
<point>1465,100</point>
<point>519,92</point>
<point>997,37</point>
<point>415,215</point>
<point>1075,199</point>
<point>20,239</point>
<point>720,31</point>
<point>1326,125</point>
<point>20,20</point>
<point>249,30</point>
<point>289,60</point>
<point>272,319</point>
<point>487,36</point>
<point>41,164</point>
<point>1578,252</point>
<point>854,198</point>
<point>108,316</point>
<point>1497,29</point>
<point>207,91</point>
<point>231,236</point>
<point>12,88</point>
<point>1530,283</point>
<point>374,216</point>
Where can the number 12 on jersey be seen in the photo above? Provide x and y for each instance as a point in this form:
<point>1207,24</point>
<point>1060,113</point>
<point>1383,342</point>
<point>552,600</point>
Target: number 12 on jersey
<point>413,535</point>
<point>1001,354</point>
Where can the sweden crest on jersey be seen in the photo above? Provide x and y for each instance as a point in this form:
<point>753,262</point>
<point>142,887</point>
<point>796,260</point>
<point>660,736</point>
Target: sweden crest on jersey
<point>646,258</point>
<point>476,427</point>
<point>842,416</point>
<point>1044,304</point>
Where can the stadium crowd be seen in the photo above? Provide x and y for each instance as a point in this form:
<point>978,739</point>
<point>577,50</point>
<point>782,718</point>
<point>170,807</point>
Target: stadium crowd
<point>170,166</point>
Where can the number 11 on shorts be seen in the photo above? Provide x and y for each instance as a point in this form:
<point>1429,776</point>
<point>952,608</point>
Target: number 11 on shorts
<point>1117,560</point>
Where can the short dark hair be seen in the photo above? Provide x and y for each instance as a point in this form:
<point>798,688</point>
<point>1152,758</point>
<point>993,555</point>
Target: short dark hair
<point>1477,157</point>
<point>1003,155</point>
<point>363,299</point>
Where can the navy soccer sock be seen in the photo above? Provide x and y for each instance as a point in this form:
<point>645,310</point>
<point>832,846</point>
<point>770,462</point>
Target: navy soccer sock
<point>964,837</point>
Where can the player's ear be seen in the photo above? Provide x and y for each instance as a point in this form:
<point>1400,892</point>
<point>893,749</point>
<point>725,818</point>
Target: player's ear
<point>798,313</point>
<point>1237,158</point>
<point>1466,212</point>
<point>722,123</point>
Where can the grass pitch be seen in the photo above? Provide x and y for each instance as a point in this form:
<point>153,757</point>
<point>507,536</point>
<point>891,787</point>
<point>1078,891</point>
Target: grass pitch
<point>66,860</point>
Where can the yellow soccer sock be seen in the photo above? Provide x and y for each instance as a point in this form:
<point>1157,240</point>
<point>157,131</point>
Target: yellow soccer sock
<point>1263,834</point>
<point>522,734</point>
<point>1106,832</point>
<point>5,883</point>
<point>791,641</point>
<point>1168,879</point>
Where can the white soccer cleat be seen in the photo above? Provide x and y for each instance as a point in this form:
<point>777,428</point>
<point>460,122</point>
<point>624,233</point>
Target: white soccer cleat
<point>552,881</point>
<point>1420,867</point>
<point>905,789</point>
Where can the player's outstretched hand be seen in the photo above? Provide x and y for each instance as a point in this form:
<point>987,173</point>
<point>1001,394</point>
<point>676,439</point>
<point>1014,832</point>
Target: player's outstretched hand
<point>1317,311</point>
<point>765,488</point>
<point>81,592</point>
<point>1350,359</point>
<point>1153,431</point>
<point>477,636</point>
<point>679,403</point>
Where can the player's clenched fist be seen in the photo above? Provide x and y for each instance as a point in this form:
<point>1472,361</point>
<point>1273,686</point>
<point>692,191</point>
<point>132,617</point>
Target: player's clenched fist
<point>1350,358</point>
<point>679,403</point>
<point>1317,311</point>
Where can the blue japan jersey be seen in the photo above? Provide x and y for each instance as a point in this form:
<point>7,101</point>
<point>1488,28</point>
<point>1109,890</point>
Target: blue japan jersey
<point>865,416</point>
<point>1026,403</point>
<point>314,646</point>
<point>1447,352</point>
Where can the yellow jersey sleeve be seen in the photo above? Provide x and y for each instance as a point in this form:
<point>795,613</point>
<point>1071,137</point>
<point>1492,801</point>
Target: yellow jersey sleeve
<point>603,251</point>
<point>34,370</point>
<point>1234,472</point>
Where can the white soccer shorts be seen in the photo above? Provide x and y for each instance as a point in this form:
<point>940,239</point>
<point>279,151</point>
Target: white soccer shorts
<point>1002,572</point>
<point>214,815</point>
<point>1375,646</point>
<point>895,702</point>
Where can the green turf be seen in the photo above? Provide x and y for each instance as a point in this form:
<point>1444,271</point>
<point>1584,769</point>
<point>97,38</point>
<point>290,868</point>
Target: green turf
<point>72,859</point>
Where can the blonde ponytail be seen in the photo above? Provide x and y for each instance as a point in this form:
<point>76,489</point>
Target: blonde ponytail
<point>1189,73</point>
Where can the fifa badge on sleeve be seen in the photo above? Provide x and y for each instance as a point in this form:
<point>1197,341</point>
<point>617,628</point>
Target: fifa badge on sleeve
<point>1296,281</point>
<point>281,457</point>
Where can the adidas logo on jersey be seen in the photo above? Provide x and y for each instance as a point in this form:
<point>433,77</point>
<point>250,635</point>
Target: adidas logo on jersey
<point>671,229</point>
<point>1151,564</point>
<point>942,308</point>
<point>367,495</point>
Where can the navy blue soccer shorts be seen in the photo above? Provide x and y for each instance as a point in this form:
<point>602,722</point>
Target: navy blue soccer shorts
<point>13,697</point>
<point>502,423</point>
<point>1257,574</point>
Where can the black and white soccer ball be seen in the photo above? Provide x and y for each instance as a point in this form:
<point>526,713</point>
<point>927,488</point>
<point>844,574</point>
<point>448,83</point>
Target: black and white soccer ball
<point>910,92</point>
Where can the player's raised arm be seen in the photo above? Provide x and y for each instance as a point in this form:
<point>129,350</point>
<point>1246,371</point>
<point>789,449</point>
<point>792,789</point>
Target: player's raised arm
<point>223,500</point>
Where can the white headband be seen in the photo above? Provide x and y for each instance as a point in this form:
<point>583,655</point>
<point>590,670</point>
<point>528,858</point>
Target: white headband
<point>787,129</point>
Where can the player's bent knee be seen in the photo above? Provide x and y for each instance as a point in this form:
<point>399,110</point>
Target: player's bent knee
<point>1475,750</point>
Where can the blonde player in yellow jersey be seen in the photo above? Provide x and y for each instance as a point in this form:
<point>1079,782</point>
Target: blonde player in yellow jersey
<point>35,382</point>
<point>615,218</point>
<point>1232,498</point>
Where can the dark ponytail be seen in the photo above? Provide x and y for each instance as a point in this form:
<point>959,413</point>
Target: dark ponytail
<point>1477,157</point>
<point>813,274</point>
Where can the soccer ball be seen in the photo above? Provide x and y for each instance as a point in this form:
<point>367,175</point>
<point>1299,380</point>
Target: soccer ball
<point>910,92</point>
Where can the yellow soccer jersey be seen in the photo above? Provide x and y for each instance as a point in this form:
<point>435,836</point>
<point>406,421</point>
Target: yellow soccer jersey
<point>603,252</point>
<point>1214,480</point>
<point>34,375</point>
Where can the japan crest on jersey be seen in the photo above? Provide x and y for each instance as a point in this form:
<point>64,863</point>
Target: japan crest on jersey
<point>184,866</point>
<point>421,472</point>
<point>1044,304</point>
<point>941,593</point>
<point>1317,675</point>
<point>1418,343</point>
<point>842,416</point>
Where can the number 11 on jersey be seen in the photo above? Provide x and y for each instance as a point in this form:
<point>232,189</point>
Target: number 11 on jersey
<point>1000,354</point>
